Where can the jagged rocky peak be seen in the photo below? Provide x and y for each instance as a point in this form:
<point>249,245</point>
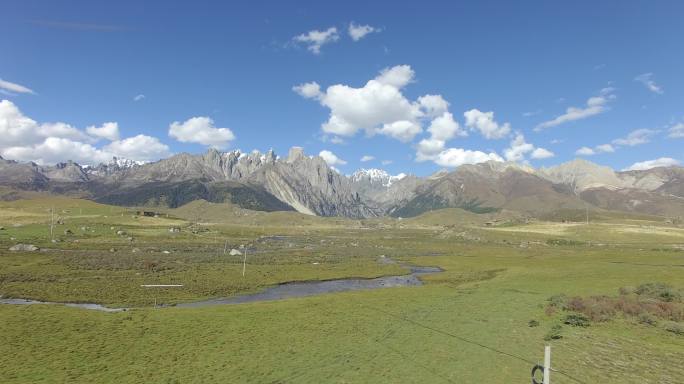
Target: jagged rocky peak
<point>295,154</point>
<point>376,176</point>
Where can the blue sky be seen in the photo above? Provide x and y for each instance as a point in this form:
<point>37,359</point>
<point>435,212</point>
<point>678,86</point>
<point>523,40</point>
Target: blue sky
<point>558,76</point>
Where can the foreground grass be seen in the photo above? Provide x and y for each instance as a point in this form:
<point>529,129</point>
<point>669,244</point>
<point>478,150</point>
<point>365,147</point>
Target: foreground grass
<point>468,324</point>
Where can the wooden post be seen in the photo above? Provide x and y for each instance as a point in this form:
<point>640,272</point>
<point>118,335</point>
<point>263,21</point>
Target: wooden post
<point>547,364</point>
<point>244,263</point>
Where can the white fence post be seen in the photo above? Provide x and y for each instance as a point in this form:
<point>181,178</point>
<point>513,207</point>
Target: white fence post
<point>547,364</point>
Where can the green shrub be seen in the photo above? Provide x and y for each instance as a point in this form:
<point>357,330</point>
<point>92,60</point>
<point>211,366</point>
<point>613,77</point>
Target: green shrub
<point>648,319</point>
<point>533,323</point>
<point>676,328</point>
<point>659,291</point>
<point>558,301</point>
<point>576,320</point>
<point>554,333</point>
<point>627,290</point>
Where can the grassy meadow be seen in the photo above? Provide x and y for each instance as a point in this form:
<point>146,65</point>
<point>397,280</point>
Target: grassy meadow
<point>486,318</point>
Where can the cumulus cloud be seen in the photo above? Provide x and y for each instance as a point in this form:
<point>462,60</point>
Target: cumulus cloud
<point>25,139</point>
<point>14,87</point>
<point>375,107</point>
<point>648,164</point>
<point>398,76</point>
<point>454,157</point>
<point>595,105</point>
<point>18,129</point>
<point>308,90</point>
<point>442,129</point>
<point>109,131</point>
<point>637,137</point>
<point>358,32</point>
<point>520,149</point>
<point>366,158</point>
<point>331,158</point>
<point>402,130</point>
<point>140,148</point>
<point>433,105</point>
<point>201,130</point>
<point>138,97</point>
<point>316,39</point>
<point>587,151</point>
<point>542,153</point>
<point>484,122</point>
<point>676,131</point>
<point>647,80</point>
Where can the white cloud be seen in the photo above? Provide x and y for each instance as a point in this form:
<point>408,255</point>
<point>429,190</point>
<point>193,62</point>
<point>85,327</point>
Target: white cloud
<point>26,140</point>
<point>140,148</point>
<point>587,151</point>
<point>331,158</point>
<point>398,76</point>
<point>676,131</point>
<point>358,32</point>
<point>454,157</point>
<point>138,97</point>
<point>542,153</point>
<point>518,149</point>
<point>14,87</point>
<point>386,162</point>
<point>316,39</point>
<point>648,164</point>
<point>201,130</point>
<point>605,148</point>
<point>647,81</point>
<point>595,105</point>
<point>485,123</point>
<point>54,149</point>
<point>442,129</point>
<point>18,129</point>
<point>366,158</point>
<point>637,137</point>
<point>402,130</point>
<point>375,106</point>
<point>433,105</point>
<point>109,131</point>
<point>308,90</point>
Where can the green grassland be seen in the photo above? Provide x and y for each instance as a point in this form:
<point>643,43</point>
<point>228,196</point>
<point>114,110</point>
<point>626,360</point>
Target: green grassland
<point>469,324</point>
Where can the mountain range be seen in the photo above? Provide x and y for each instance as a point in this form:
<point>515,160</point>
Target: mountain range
<point>264,181</point>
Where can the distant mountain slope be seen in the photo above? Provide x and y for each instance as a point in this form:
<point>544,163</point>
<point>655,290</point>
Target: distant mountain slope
<point>263,181</point>
<point>488,187</point>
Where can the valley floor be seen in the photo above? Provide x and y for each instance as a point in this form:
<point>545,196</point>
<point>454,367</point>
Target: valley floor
<point>484,319</point>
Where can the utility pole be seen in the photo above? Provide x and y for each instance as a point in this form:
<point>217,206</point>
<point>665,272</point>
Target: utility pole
<point>244,262</point>
<point>547,364</point>
<point>52,223</point>
<point>545,369</point>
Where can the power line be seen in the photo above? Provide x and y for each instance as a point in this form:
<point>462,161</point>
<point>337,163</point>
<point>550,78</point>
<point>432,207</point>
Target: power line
<point>413,322</point>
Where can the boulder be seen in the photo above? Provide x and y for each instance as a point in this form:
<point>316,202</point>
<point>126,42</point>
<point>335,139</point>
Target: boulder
<point>235,252</point>
<point>24,248</point>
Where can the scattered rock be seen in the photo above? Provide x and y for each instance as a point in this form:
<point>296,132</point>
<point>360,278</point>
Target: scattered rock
<point>121,233</point>
<point>84,229</point>
<point>24,248</point>
<point>166,252</point>
<point>68,232</point>
<point>235,252</point>
<point>2,228</point>
<point>135,250</point>
<point>130,239</point>
<point>112,250</point>
<point>174,230</point>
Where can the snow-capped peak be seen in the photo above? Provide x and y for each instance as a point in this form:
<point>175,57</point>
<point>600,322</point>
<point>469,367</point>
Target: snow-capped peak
<point>376,176</point>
